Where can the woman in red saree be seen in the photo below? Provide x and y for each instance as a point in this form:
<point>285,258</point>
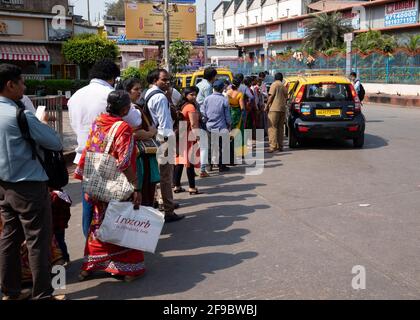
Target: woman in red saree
<point>100,256</point>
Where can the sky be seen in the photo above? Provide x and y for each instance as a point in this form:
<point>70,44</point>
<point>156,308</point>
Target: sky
<point>98,6</point>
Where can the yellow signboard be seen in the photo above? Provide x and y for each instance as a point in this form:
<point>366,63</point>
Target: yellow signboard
<point>144,21</point>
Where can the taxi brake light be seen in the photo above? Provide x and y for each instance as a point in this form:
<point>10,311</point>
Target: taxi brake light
<point>299,95</point>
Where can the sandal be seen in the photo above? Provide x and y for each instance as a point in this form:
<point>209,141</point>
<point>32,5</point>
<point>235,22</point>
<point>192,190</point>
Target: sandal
<point>179,190</point>
<point>194,192</point>
<point>132,278</point>
<point>84,275</point>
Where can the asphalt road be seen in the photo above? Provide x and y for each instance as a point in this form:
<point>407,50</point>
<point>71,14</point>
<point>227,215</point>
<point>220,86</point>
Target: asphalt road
<point>293,232</point>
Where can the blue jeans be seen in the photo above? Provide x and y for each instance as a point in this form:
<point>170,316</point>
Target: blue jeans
<point>87,215</point>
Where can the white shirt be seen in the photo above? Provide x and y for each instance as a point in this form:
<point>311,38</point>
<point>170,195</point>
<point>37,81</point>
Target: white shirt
<point>176,97</point>
<point>86,105</point>
<point>159,109</point>
<point>28,104</point>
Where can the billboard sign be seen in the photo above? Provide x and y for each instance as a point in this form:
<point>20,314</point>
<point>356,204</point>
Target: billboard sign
<point>145,21</point>
<point>11,27</point>
<point>273,33</point>
<point>301,30</point>
<point>351,19</point>
<point>400,13</point>
<point>177,1</point>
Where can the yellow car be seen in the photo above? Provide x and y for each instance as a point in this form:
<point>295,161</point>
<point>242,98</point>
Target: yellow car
<point>323,105</point>
<point>222,73</point>
<point>184,80</point>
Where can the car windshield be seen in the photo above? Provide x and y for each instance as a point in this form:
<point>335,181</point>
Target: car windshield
<point>327,92</point>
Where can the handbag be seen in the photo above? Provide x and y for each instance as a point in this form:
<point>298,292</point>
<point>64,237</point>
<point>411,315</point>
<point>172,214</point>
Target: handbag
<point>102,179</point>
<point>129,228</point>
<point>149,146</point>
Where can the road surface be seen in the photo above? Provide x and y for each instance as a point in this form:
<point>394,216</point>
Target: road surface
<point>294,232</point>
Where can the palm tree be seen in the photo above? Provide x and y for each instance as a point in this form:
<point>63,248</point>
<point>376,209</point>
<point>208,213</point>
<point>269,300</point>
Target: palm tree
<point>326,31</point>
<point>413,43</point>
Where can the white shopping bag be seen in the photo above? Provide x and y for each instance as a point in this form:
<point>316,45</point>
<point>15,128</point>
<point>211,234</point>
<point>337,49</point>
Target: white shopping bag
<point>129,228</point>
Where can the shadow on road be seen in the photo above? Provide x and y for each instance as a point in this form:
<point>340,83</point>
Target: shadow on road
<point>371,142</point>
<point>165,276</point>
<point>203,229</point>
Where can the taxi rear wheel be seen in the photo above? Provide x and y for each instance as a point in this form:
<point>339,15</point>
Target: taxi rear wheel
<point>359,142</point>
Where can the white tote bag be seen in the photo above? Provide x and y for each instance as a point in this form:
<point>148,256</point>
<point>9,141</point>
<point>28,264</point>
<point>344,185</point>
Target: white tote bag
<point>129,228</point>
<point>101,177</point>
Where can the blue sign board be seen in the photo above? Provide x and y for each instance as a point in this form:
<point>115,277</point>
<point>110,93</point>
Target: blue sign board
<point>272,33</point>
<point>400,13</point>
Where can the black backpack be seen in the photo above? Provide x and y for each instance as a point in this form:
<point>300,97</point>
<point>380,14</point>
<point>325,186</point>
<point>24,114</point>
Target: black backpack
<point>142,103</point>
<point>54,163</point>
<point>362,92</point>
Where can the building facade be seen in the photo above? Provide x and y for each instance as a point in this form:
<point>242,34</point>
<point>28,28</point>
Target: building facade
<point>274,26</point>
<point>32,38</point>
<point>231,17</point>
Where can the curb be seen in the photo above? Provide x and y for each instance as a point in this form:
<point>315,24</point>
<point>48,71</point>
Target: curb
<point>404,101</point>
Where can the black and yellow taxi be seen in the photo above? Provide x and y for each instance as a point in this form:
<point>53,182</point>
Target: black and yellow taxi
<point>184,79</point>
<point>323,105</point>
<point>222,73</point>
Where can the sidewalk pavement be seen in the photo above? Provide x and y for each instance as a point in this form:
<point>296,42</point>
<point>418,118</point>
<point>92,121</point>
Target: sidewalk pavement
<point>388,99</point>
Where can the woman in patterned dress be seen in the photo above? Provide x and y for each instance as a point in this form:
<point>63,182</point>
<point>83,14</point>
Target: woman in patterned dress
<point>100,256</point>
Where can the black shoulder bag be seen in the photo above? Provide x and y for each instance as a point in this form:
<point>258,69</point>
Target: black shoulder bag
<point>54,163</point>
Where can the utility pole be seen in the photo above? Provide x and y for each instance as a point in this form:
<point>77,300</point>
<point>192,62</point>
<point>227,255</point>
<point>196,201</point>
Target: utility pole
<point>88,7</point>
<point>205,33</point>
<point>167,34</point>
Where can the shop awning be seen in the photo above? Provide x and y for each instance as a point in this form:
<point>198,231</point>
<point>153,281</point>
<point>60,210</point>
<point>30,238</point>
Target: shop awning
<point>23,52</point>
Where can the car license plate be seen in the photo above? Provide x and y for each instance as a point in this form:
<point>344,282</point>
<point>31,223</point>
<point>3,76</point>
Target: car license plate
<point>328,112</point>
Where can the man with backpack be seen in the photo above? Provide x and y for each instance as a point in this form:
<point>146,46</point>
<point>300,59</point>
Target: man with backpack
<point>357,86</point>
<point>157,103</point>
<point>25,206</point>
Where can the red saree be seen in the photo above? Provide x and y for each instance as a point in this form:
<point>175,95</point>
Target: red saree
<point>100,256</point>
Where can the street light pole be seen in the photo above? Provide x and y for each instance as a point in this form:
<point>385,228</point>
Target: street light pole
<point>88,7</point>
<point>205,33</point>
<point>167,34</point>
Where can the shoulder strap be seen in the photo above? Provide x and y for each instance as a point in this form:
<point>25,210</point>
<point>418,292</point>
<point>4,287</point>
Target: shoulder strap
<point>150,96</point>
<point>111,135</point>
<point>24,128</point>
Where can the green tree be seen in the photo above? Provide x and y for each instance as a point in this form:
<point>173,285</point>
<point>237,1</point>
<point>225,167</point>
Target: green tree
<point>116,9</point>
<point>140,73</point>
<point>368,41</point>
<point>85,50</point>
<point>413,43</point>
<point>326,31</point>
<point>179,54</point>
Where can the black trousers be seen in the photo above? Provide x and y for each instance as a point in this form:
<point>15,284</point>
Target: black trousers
<point>179,168</point>
<point>60,237</point>
<point>25,209</point>
<point>26,215</point>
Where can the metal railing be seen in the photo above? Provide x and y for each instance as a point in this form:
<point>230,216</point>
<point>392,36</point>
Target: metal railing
<point>54,109</point>
<point>40,77</point>
<point>376,67</point>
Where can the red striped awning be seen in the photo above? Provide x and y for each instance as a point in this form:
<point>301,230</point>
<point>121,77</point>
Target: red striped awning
<point>23,52</point>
